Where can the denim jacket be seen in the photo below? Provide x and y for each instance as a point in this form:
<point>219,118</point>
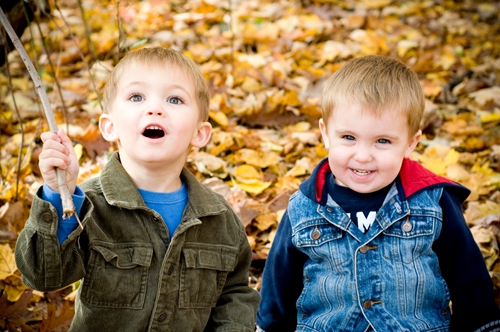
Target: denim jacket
<point>134,277</point>
<point>324,274</point>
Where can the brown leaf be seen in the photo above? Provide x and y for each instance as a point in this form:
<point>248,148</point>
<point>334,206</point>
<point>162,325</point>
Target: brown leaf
<point>57,320</point>
<point>16,314</point>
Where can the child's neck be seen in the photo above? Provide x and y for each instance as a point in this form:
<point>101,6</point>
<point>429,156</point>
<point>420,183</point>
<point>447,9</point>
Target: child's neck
<point>160,178</point>
<point>163,184</point>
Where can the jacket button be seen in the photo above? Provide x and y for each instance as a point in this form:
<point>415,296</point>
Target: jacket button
<point>407,226</point>
<point>367,304</point>
<point>170,270</point>
<point>363,249</point>
<point>47,217</point>
<point>162,317</point>
<point>329,209</point>
<point>316,234</point>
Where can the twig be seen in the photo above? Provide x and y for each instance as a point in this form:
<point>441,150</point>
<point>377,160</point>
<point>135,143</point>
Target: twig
<point>21,127</point>
<point>119,24</point>
<point>87,31</point>
<point>36,15</point>
<point>67,201</point>
<point>84,60</point>
<point>54,74</point>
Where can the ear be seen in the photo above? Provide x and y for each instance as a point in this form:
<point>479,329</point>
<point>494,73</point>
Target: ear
<point>412,143</point>
<point>324,133</point>
<point>107,128</point>
<point>202,135</point>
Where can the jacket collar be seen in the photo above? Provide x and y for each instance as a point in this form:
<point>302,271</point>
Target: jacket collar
<point>413,177</point>
<point>119,190</point>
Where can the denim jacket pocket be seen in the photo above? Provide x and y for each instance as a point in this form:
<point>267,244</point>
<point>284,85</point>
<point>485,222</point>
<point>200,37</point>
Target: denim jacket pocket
<point>117,275</point>
<point>410,238</point>
<point>203,275</point>
<point>321,241</point>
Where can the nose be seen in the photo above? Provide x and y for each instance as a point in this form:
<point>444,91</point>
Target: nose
<point>155,109</point>
<point>363,154</point>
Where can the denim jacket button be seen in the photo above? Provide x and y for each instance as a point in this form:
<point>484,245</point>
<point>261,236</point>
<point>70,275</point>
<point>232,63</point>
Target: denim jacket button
<point>316,234</point>
<point>367,304</point>
<point>407,226</point>
<point>47,217</point>
<point>162,317</point>
<point>364,250</point>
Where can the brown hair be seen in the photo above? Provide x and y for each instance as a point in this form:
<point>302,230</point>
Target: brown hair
<point>160,56</point>
<point>378,84</point>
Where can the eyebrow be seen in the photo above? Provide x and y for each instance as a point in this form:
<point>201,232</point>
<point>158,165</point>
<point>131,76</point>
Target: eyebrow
<point>171,86</point>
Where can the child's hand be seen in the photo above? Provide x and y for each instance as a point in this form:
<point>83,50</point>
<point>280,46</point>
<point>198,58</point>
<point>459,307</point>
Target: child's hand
<point>58,152</point>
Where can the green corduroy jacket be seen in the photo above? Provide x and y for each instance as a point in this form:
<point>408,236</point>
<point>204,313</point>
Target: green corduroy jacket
<point>134,277</point>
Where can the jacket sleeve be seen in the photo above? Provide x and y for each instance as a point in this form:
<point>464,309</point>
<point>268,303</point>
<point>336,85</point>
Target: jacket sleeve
<point>68,225</point>
<point>45,264</point>
<point>237,305</point>
<point>281,282</point>
<point>462,266</point>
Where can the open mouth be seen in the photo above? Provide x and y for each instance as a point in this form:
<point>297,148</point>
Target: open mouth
<point>153,132</point>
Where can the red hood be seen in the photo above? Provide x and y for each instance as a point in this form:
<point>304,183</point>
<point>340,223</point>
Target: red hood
<point>414,177</point>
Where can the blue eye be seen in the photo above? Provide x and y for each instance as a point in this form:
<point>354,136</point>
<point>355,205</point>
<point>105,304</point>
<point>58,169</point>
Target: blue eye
<point>383,141</point>
<point>175,100</point>
<point>136,98</point>
<point>349,137</point>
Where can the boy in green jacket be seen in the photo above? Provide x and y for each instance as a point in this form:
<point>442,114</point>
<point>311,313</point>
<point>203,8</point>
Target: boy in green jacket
<point>158,250</point>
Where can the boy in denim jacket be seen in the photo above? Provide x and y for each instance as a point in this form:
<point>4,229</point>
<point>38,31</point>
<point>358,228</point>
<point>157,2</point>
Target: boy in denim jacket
<point>372,240</point>
<point>159,251</point>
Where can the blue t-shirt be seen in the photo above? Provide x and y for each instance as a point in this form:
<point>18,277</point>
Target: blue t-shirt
<point>170,206</point>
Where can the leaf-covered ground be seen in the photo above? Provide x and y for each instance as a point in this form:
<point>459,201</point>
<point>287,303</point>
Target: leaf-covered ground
<point>265,62</point>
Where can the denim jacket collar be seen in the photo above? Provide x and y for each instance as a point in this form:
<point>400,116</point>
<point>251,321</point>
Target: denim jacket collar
<point>392,211</point>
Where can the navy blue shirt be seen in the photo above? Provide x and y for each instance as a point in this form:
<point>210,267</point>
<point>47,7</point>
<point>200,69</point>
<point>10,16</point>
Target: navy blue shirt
<point>361,208</point>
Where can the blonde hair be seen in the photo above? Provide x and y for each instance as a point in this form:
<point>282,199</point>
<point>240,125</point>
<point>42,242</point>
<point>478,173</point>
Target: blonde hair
<point>378,84</point>
<point>160,56</point>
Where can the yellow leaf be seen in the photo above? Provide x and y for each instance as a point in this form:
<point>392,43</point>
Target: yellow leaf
<point>209,164</point>
<point>13,293</point>
<point>260,159</point>
<point>405,45</point>
<point>247,174</point>
<point>448,59</point>
<point>220,118</point>
<point>374,4</point>
<point>255,188</point>
<point>7,263</point>
<point>493,117</point>
<point>437,158</point>
<point>291,98</point>
<point>296,171</point>
<point>250,84</point>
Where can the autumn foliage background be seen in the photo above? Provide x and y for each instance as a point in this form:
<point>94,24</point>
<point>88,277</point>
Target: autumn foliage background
<point>265,62</point>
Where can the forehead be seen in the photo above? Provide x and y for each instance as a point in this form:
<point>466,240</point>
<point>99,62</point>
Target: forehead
<point>359,118</point>
<point>155,71</point>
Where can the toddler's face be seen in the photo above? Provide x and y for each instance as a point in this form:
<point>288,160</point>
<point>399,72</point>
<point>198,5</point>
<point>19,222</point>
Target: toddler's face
<point>365,152</point>
<point>155,116</point>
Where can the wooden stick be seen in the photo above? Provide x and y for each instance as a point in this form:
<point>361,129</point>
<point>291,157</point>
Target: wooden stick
<point>67,201</point>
